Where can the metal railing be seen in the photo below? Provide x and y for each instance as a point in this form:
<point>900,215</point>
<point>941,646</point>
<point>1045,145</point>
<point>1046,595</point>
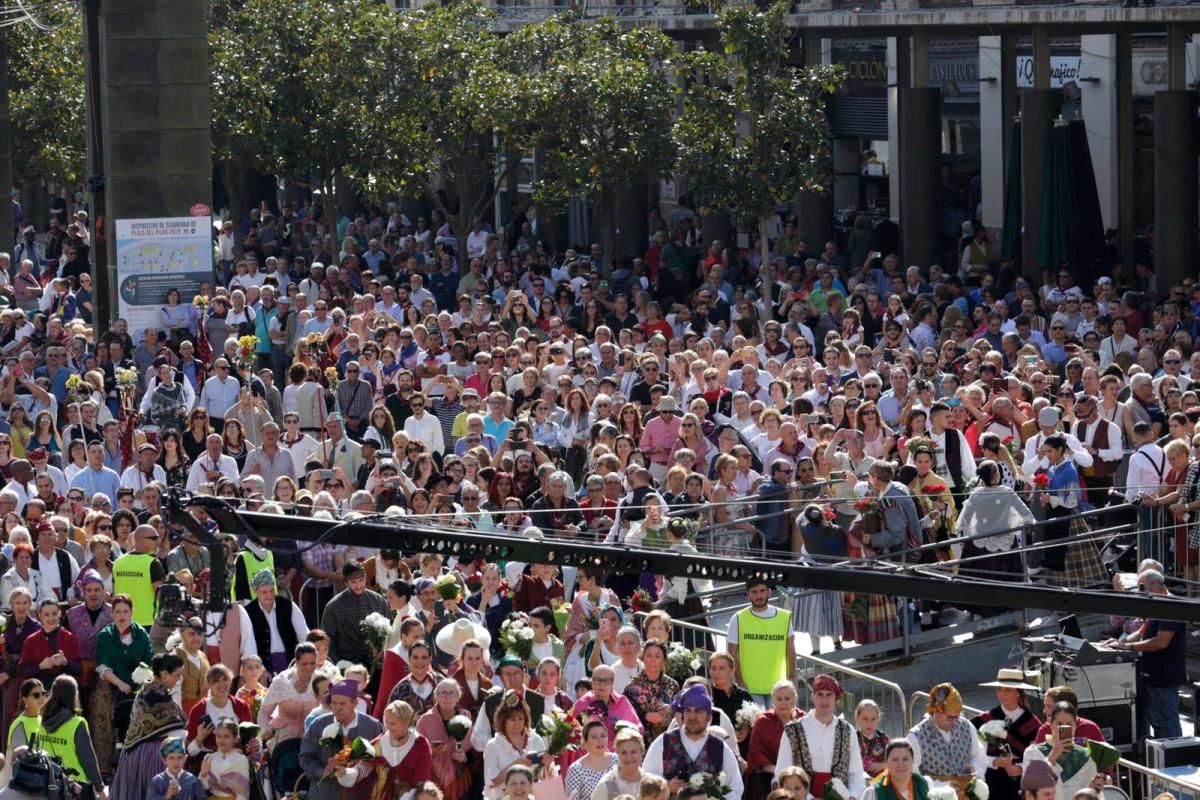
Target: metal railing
<point>858,686</point>
<point>1139,782</point>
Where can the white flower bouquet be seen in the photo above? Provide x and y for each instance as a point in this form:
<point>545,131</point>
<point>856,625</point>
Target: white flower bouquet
<point>682,663</point>
<point>747,715</point>
<point>375,628</point>
<point>835,789</point>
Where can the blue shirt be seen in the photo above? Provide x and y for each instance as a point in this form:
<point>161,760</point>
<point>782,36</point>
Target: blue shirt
<point>105,481</point>
<point>497,430</point>
<point>772,499</point>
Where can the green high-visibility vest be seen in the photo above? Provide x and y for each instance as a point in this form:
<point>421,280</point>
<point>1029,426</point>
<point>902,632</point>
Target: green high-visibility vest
<point>131,576</point>
<point>61,743</point>
<point>32,726</point>
<point>253,565</point>
<point>762,649</point>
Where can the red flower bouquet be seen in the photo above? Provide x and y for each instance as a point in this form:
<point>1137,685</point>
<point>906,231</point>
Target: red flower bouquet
<point>1041,480</point>
<point>934,489</point>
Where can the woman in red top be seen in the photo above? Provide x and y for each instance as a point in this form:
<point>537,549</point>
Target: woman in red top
<point>403,759</point>
<point>765,737</point>
<point>52,651</point>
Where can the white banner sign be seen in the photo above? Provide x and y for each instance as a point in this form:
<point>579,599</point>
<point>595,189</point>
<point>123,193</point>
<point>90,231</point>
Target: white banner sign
<point>154,255</point>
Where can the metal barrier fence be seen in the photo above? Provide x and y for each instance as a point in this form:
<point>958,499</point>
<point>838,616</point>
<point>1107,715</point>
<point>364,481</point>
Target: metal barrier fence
<point>1138,782</point>
<point>858,686</point>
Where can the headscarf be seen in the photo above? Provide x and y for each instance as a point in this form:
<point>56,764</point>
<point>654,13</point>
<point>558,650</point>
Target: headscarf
<point>945,699</point>
<point>264,577</point>
<point>173,744</point>
<point>694,696</point>
<point>827,683</point>
<point>343,688</point>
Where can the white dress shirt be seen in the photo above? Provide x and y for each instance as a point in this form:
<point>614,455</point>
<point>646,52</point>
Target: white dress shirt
<point>1114,451</point>
<point>1148,469</point>
<point>224,464</point>
<point>653,762</point>
<point>821,738</point>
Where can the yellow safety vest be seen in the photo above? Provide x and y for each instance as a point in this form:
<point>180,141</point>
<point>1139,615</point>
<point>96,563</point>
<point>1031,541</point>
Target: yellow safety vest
<point>253,565</point>
<point>762,649</point>
<point>131,576</point>
<point>32,725</point>
<point>61,743</point>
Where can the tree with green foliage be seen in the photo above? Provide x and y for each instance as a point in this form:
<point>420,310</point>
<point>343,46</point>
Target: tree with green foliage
<point>616,99</point>
<point>46,101</point>
<point>753,132</point>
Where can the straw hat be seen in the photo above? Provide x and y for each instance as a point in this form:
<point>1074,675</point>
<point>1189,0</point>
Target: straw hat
<point>450,639</point>
<point>1011,679</point>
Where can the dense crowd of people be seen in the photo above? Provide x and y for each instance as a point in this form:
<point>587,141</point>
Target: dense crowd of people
<point>697,398</point>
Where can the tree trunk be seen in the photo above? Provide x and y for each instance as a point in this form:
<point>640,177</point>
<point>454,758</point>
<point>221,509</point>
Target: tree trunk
<point>328,182</point>
<point>608,233</point>
<point>233,191</point>
<point>764,246</point>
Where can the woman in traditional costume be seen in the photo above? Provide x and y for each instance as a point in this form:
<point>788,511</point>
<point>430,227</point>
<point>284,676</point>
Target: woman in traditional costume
<point>652,691</point>
<point>991,508</point>
<point>155,716</point>
<point>403,759</point>
<point>898,781</point>
<point>1071,762</point>
<point>1076,561</point>
<point>449,766</point>
<point>1020,731</point>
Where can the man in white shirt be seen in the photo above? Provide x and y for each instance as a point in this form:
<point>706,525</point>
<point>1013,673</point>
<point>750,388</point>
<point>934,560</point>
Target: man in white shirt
<point>1118,342</point>
<point>695,740</point>
<point>219,394</point>
<point>212,466</point>
<point>940,740</point>
<point>1036,459</point>
<point>476,240</point>
<point>955,459</point>
<point>54,564</point>
<point>22,474</point>
<point>1147,470</point>
<point>136,476</point>
<point>270,622</point>
<point>811,742</point>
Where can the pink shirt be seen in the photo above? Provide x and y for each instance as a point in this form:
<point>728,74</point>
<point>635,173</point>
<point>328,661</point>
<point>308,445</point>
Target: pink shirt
<point>660,434</point>
<point>619,710</point>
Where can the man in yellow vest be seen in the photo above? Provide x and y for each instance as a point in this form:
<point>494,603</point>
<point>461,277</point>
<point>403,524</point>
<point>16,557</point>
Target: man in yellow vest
<point>139,574</point>
<point>760,641</point>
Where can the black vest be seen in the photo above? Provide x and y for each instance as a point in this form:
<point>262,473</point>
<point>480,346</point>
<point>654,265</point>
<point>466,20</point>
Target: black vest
<point>262,629</point>
<point>954,458</point>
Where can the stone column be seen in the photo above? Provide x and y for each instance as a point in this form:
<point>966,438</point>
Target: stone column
<point>1100,101</point>
<point>6,176</point>
<point>1038,109</point>
<point>920,153</point>
<point>154,120</point>
<point>1175,176</point>
<point>814,210</point>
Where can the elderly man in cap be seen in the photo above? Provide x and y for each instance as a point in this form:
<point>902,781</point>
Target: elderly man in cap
<point>946,746</point>
<point>345,724</point>
<point>144,471</point>
<point>344,613</point>
<point>86,620</point>
<point>1012,709</point>
<point>512,673</point>
<point>692,749</point>
<point>274,625</point>
<point>823,743</point>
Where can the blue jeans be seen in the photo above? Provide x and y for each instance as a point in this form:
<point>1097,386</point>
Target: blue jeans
<point>1157,708</point>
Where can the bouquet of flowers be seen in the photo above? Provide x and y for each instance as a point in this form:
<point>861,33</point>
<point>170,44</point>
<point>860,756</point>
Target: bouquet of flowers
<point>127,380</point>
<point>448,587</point>
<point>516,636</point>
<point>836,790</point>
<point>942,793</point>
<point>247,731</point>
<point>1041,480</point>
<point>201,301</point>
<point>142,674</point>
<point>716,788</point>
<point>332,737</point>
<point>934,489</point>
<point>867,505</point>
<point>995,732</point>
<point>681,662</point>
<point>375,628</point>
<point>747,715</point>
<point>977,789</point>
<point>562,733</point>
<point>331,377</point>
<point>474,582</point>
<point>920,442</point>
<point>459,727</point>
<point>1010,443</point>
<point>829,514</point>
<point>597,709</point>
<point>350,754</point>
<point>246,346</point>
<point>640,601</point>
